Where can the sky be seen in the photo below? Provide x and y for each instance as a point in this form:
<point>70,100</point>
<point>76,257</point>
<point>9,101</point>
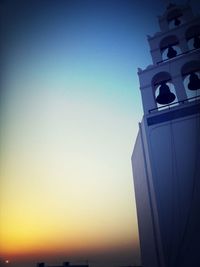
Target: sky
<point>69,113</point>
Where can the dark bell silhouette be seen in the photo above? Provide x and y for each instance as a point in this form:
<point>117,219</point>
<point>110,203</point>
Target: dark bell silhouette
<point>194,82</point>
<point>177,22</point>
<point>196,42</point>
<point>165,96</point>
<point>171,52</point>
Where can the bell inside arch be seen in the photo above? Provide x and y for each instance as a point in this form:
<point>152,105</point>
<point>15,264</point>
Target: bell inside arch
<point>171,52</point>
<point>194,82</point>
<point>196,42</point>
<point>165,96</point>
<point>177,21</point>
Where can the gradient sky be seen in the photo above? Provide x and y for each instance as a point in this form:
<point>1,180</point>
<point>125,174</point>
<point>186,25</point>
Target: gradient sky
<point>70,107</point>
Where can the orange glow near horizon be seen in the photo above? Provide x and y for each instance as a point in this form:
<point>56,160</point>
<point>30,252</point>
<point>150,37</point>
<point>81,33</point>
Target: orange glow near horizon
<point>60,190</point>
<point>68,208</point>
<point>26,238</point>
<point>72,247</point>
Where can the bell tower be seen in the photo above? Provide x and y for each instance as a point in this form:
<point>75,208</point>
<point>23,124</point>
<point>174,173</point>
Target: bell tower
<point>166,155</point>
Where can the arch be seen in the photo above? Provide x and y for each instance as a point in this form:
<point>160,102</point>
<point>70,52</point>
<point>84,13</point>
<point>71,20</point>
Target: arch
<point>189,67</point>
<point>192,36</point>
<point>174,18</point>
<point>169,47</point>
<point>192,31</point>
<point>159,78</point>
<point>167,41</point>
<point>174,13</point>
<point>163,89</point>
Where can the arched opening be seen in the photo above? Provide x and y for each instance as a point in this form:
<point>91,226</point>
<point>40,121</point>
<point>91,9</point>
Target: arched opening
<point>164,90</point>
<point>192,36</point>
<point>175,18</point>
<point>169,47</point>
<point>191,79</point>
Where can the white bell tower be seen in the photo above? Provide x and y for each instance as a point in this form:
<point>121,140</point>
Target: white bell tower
<point>166,156</point>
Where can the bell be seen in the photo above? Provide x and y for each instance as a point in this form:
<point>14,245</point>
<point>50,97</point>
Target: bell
<point>196,42</point>
<point>194,82</point>
<point>171,52</point>
<point>165,96</point>
<point>177,22</point>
